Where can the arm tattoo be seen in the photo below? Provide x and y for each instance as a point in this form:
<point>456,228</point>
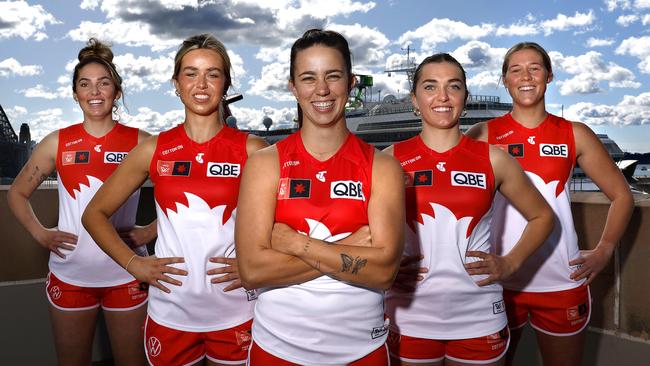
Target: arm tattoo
<point>359,263</point>
<point>307,244</point>
<point>349,263</point>
<point>346,262</point>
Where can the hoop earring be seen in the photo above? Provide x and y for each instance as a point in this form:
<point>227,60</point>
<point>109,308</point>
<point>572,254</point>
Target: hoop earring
<point>463,113</point>
<point>416,112</point>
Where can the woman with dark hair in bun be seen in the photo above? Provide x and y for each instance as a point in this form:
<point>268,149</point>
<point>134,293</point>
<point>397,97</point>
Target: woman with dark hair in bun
<point>82,278</point>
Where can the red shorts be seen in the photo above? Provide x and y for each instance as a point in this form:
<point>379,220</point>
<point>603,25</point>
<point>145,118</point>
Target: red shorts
<point>559,313</point>
<point>65,296</point>
<point>167,346</point>
<point>480,350</point>
<point>259,357</point>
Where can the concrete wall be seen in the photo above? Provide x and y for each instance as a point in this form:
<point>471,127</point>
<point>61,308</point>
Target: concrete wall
<point>619,331</point>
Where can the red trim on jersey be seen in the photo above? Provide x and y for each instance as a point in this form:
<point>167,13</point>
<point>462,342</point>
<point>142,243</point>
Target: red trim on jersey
<point>547,150</point>
<point>181,166</point>
<point>433,177</point>
<point>80,154</point>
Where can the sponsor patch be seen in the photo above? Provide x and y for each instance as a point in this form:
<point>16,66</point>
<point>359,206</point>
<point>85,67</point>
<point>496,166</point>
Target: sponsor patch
<point>251,295</point>
<point>554,150</point>
<point>174,168</point>
<point>379,331</point>
<point>418,178</point>
<point>223,170</point>
<point>348,189</point>
<point>468,179</point>
<point>294,188</point>
<point>154,346</point>
<point>75,157</point>
<point>114,157</point>
<point>516,150</point>
<point>498,307</point>
<point>243,337</point>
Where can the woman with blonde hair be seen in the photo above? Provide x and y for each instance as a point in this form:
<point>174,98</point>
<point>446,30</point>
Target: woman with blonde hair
<point>197,308</point>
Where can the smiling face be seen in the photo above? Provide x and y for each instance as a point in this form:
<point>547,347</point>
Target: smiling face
<point>440,95</point>
<point>526,78</point>
<point>321,85</point>
<point>95,92</point>
<point>200,82</point>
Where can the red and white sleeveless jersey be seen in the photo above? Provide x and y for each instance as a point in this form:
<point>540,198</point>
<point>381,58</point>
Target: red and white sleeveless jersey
<point>547,155</point>
<point>195,189</point>
<point>323,321</point>
<point>83,163</point>
<point>448,211</point>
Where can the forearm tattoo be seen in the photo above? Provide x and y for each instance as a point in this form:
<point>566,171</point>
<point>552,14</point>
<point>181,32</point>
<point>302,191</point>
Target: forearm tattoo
<point>353,265</point>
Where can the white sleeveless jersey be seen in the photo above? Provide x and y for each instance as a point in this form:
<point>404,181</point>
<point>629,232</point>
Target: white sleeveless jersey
<point>195,189</point>
<point>323,321</point>
<point>83,163</point>
<point>448,208</point>
<point>547,155</point>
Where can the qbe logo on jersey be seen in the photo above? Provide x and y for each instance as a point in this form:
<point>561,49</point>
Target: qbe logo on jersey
<point>114,157</point>
<point>347,189</point>
<point>554,150</point>
<point>468,179</point>
<point>221,170</point>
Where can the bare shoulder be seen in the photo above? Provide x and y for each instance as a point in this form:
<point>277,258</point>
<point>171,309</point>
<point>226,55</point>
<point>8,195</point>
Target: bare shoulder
<point>385,163</point>
<point>266,158</point>
<point>390,150</point>
<point>254,143</point>
<point>143,135</point>
<point>478,132</point>
<point>585,138</point>
<point>582,131</point>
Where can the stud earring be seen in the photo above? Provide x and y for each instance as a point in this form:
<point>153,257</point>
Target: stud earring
<point>416,112</point>
<point>177,93</point>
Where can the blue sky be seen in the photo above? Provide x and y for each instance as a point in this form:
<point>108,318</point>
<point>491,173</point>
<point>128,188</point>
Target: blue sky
<point>600,51</point>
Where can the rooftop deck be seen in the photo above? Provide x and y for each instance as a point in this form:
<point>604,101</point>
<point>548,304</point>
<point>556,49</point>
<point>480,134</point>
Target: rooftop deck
<point>619,333</point>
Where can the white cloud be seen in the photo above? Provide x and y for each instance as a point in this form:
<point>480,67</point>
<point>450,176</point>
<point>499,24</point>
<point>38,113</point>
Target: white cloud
<point>589,71</point>
<point>272,83</point>
<point>15,112</point>
<point>40,91</point>
<point>43,122</point>
<point>132,34</point>
<point>152,121</point>
<point>477,54</point>
<point>439,31</point>
<point>631,110</point>
<point>89,4</point>
<point>563,22</point>
<point>627,20</point>
<point>11,67</point>
<point>144,73</point>
<point>368,45</point>
<point>251,119</point>
<point>642,4</point>
<point>484,80</point>
<point>646,19</point>
<point>615,4</point>
<point>161,24</point>
<point>518,29</point>
<point>599,42</point>
<point>19,19</point>
<point>638,47</point>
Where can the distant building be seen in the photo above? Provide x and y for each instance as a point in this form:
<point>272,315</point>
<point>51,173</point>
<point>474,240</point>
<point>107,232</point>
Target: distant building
<point>14,150</point>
